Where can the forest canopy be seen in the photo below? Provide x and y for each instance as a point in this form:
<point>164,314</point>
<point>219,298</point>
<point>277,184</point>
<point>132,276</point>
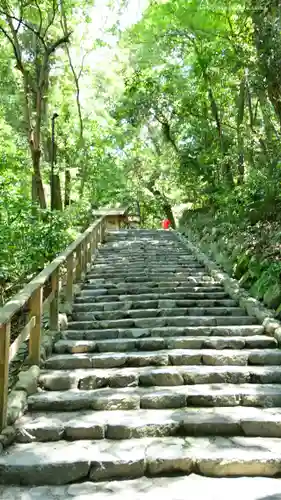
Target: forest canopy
<point>171,103</point>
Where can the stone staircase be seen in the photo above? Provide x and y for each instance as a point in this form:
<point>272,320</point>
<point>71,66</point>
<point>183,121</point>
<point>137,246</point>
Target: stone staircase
<point>159,373</point>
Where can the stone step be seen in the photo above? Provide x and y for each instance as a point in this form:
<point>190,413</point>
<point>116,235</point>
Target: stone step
<point>144,267</point>
<point>129,424</point>
<point>143,261</point>
<point>139,243</point>
<point>162,322</point>
<point>149,488</point>
<point>160,372</point>
<point>164,397</point>
<point>65,462</point>
<point>141,236</point>
<point>132,277</point>
<point>185,331</point>
<point>151,304</point>
<point>140,249</point>
<point>85,379</point>
<point>118,255</point>
<point>144,264</point>
<point>165,282</point>
<point>107,285</point>
<point>156,343</point>
<point>174,357</point>
<point>156,313</point>
<point>103,296</point>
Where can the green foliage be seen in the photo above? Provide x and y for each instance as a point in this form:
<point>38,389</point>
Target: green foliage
<point>87,144</point>
<point>185,108</point>
<point>28,243</point>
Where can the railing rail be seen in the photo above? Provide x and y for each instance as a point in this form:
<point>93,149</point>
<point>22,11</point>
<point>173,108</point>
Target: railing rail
<point>69,265</point>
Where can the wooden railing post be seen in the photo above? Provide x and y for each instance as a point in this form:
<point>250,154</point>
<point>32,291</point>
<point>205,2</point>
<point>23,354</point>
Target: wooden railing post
<point>69,277</point>
<point>78,263</point>
<point>81,257</point>
<point>84,261</point>
<point>98,236</point>
<point>35,310</point>
<point>54,305</point>
<point>86,254</point>
<point>103,229</point>
<point>100,233</point>
<point>4,372</point>
<point>92,244</point>
<point>89,248</point>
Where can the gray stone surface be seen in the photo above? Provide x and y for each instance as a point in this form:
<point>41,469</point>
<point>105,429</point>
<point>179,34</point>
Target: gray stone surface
<point>149,488</point>
<point>261,395</point>
<point>64,462</point>
<point>205,356</point>
<point>174,488</point>
<point>152,343</point>
<point>27,380</point>
<point>57,380</point>
<point>17,403</point>
<point>158,372</point>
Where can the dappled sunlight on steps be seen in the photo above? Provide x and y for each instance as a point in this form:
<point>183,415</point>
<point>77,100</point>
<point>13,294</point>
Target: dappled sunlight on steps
<point>144,488</point>
<point>160,372</point>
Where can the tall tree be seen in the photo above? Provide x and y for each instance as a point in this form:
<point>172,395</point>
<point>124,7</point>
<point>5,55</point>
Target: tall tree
<point>32,31</point>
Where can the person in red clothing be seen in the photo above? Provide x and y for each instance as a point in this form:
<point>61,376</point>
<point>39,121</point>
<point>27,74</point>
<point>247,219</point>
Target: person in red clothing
<point>166,224</point>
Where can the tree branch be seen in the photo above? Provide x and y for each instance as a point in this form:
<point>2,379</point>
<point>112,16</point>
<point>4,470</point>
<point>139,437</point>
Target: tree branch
<point>64,39</point>
<point>10,40</point>
<point>14,42</point>
<point>40,16</point>
<point>23,23</point>
<point>76,76</point>
<point>51,18</point>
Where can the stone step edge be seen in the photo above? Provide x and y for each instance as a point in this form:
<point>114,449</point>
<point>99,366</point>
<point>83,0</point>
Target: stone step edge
<point>179,275</point>
<point>164,331</point>
<point>173,357</point>
<point>191,295</point>
<point>146,302</point>
<point>162,321</point>
<point>138,270</point>
<point>153,376</point>
<point>181,311</point>
<point>147,370</point>
<point>127,424</point>
<point>258,488</point>
<point>183,283</point>
<point>164,397</point>
<point>253,306</point>
<point>192,288</point>
<point>80,346</point>
<point>97,461</point>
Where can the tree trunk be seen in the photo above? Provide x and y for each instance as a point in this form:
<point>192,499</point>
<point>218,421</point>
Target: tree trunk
<point>83,178</point>
<point>241,165</point>
<point>38,187</point>
<point>57,202</point>
<point>67,187</point>
<point>266,21</point>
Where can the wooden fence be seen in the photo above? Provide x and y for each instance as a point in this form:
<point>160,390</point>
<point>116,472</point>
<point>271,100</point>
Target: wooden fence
<point>68,267</point>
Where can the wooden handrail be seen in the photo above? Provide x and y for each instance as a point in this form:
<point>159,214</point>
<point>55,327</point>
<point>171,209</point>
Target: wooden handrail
<point>72,263</point>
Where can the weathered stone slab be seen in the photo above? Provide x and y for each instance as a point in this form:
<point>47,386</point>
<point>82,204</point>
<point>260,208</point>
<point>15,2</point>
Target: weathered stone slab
<point>49,463</point>
<point>125,459</point>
